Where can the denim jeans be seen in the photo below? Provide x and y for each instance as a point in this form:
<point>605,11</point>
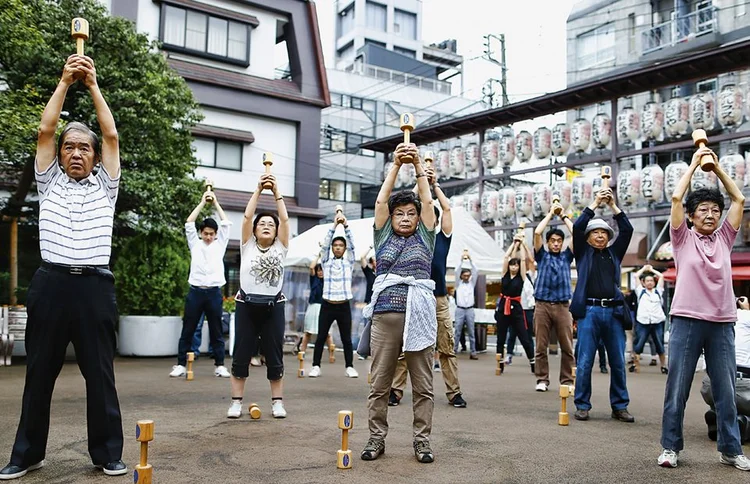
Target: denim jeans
<point>600,323</point>
<point>643,331</point>
<point>687,338</point>
<point>198,339</point>
<point>197,302</point>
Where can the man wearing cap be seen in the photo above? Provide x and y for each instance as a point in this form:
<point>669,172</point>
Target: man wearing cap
<point>598,304</point>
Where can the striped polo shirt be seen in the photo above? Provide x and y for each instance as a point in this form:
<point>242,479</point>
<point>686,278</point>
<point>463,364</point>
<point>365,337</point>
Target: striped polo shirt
<point>75,217</point>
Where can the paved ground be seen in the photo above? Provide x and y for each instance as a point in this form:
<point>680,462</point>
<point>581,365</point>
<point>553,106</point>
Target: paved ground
<point>507,434</point>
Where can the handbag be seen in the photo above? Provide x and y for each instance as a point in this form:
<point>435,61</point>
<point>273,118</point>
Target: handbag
<point>258,299</point>
<point>624,315</point>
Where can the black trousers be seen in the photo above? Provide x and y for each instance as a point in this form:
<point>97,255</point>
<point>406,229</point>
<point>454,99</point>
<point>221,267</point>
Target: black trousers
<point>342,314</point>
<point>199,301</point>
<point>515,320</point>
<point>64,308</point>
<point>259,325</point>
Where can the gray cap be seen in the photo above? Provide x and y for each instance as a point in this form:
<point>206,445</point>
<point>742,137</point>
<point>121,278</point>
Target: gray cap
<point>598,223</point>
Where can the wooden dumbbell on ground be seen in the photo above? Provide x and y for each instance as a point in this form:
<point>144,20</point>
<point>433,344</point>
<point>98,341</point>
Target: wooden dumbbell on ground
<point>254,411</point>
<point>144,433</point>
<point>344,454</point>
<point>563,418</point>
<point>301,370</point>
<point>500,364</point>
<point>190,359</point>
<point>331,353</point>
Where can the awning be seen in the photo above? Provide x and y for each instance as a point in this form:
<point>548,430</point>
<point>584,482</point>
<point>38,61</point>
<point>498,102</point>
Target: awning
<point>636,253</point>
<point>739,273</point>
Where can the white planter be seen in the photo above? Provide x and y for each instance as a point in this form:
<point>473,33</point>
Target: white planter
<point>149,335</point>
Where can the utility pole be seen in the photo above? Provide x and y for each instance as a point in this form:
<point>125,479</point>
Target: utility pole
<point>490,56</point>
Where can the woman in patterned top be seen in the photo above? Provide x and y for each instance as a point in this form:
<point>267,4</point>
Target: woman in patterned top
<point>403,305</point>
<point>260,303</point>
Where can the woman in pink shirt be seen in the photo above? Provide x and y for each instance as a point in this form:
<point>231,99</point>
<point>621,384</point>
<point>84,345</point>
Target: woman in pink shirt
<point>703,311</point>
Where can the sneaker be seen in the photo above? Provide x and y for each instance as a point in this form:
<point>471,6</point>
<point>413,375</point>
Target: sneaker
<point>603,369</point>
<point>116,468</point>
<point>360,357</point>
<point>222,371</point>
<point>393,399</point>
<point>315,372</point>
<point>255,361</point>
<point>653,363</point>
<point>739,461</point>
<point>177,371</point>
<point>713,431</point>
<point>374,449</point>
<point>474,357</point>
<point>581,415</point>
<point>623,416</point>
<point>13,471</point>
<point>664,370</point>
<point>351,372</point>
<point>235,410</point>
<point>668,458</point>
<point>541,387</point>
<point>509,360</point>
<point>458,401</point>
<point>277,409</point>
<point>436,367</point>
<point>532,364</point>
<point>701,365</point>
<point>423,452</point>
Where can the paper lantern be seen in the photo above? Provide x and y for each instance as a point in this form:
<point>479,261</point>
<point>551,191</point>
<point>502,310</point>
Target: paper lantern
<point>560,139</point>
<point>601,130</point>
<point>542,199</point>
<point>730,106</point>
<point>701,111</point>
<point>387,169</point>
<point>524,146</point>
<point>652,183</point>
<point>473,206</point>
<point>490,153</point>
<point>490,200</point>
<point>457,202</point>
<point>582,192</point>
<point>407,175</point>
<point>580,135</point>
<point>703,179</point>
<point>507,150</point>
<point>443,163</point>
<point>734,166</point>
<point>457,160</point>
<point>652,120</point>
<point>525,200</point>
<point>677,117</point>
<point>471,157</point>
<point>542,143</point>
<point>628,187</point>
<point>672,175</point>
<point>628,125</point>
<point>562,189</point>
<point>506,206</point>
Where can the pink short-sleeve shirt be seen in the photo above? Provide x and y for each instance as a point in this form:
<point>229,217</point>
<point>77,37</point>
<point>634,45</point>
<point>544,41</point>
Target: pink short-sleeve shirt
<point>703,289</point>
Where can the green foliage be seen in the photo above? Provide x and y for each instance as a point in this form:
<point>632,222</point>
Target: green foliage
<point>151,274</point>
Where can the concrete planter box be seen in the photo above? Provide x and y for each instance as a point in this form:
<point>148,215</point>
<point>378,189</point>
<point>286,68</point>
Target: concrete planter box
<point>149,335</point>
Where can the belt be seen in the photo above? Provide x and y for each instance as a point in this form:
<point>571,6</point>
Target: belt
<point>78,270</point>
<point>605,303</point>
<point>552,302</point>
<point>468,307</point>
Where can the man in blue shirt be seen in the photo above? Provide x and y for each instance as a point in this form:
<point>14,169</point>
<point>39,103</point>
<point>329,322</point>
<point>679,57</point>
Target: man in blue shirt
<point>552,296</point>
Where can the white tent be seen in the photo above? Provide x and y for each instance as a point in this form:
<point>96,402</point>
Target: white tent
<point>467,234</point>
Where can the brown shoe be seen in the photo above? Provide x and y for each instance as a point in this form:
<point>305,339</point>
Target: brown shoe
<point>473,357</point>
<point>581,415</point>
<point>623,416</point>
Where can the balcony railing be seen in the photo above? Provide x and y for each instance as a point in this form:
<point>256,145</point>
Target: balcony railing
<point>399,77</point>
<point>681,29</point>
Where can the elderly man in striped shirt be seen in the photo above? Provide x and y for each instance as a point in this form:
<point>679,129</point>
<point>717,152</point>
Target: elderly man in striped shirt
<point>72,295</point>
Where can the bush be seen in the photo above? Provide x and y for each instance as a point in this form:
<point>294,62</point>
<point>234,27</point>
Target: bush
<point>151,274</point>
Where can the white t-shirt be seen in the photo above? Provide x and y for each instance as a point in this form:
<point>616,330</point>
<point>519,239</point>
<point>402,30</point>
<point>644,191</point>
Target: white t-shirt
<point>262,272</point>
<point>742,338</point>
<point>527,294</point>
<point>207,260</point>
<point>650,310</point>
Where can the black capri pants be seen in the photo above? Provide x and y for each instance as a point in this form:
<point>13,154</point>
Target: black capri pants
<point>266,321</point>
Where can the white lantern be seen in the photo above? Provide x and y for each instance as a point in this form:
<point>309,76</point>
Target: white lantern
<point>507,150</point>
<point>580,135</point>
<point>524,146</point>
<point>473,206</point>
<point>628,125</point>
<point>490,153</point>
<point>443,163</point>
<point>677,116</point>
<point>596,185</point>
<point>563,189</point>
<point>457,202</point>
<point>490,200</point>
<point>542,143</point>
<point>407,175</point>
<point>542,199</point>
<point>730,106</point>
<point>560,139</point>
<point>734,166</point>
<point>628,187</point>
<point>652,120</point>
<point>702,111</point>
<point>506,207</point>
<point>457,160</point>
<point>582,192</point>
<point>652,183</point>
<point>525,200</point>
<point>703,179</point>
<point>672,175</point>
<point>601,130</point>
<point>471,157</point>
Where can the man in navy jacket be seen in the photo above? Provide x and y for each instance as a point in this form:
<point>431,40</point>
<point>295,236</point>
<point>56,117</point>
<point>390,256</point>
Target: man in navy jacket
<point>598,304</point>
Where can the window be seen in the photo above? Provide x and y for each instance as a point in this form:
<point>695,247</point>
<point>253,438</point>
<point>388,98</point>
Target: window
<point>352,192</point>
<point>707,85</point>
<point>409,52</point>
<point>323,191</point>
<point>347,51</point>
<point>198,33</point>
<point>374,42</point>
<point>336,189</point>
<point>338,140</point>
<point>356,102</point>
<point>631,33</point>
<point>339,190</point>
<point>375,16</point>
<point>405,24</point>
<point>346,20</point>
<point>596,47</point>
<point>392,117</point>
<point>217,153</point>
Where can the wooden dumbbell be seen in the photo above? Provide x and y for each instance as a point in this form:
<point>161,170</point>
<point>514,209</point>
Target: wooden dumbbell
<point>79,30</point>
<point>254,411</point>
<point>500,364</point>
<point>267,162</point>
<point>429,164</point>
<point>301,370</point>
<point>344,454</point>
<point>701,140</point>
<point>574,376</point>
<point>209,184</point>
<point>144,433</point>
<point>556,199</point>
<point>190,359</point>
<point>331,354</point>
<point>563,418</point>
<point>407,125</point>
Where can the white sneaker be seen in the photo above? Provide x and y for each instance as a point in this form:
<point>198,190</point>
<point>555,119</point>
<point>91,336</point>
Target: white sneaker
<point>222,371</point>
<point>739,461</point>
<point>668,458</point>
<point>351,372</point>
<point>277,409</point>
<point>315,372</point>
<point>178,370</point>
<point>701,365</point>
<point>255,361</point>
<point>541,387</point>
<point>235,410</point>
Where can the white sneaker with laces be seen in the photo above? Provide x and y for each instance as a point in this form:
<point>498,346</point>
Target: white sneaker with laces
<point>315,372</point>
<point>277,409</point>
<point>739,461</point>
<point>235,410</point>
<point>541,387</point>
<point>222,372</point>
<point>255,361</point>
<point>178,370</point>
<point>351,372</point>
<point>668,458</point>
